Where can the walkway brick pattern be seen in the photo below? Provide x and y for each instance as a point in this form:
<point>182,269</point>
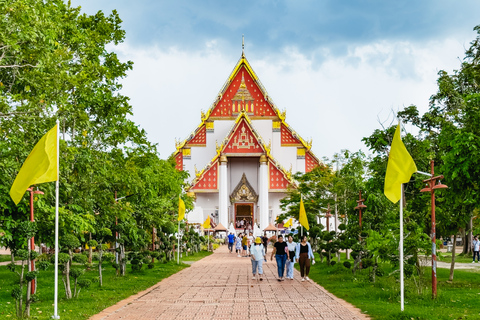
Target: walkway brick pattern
<point>221,287</point>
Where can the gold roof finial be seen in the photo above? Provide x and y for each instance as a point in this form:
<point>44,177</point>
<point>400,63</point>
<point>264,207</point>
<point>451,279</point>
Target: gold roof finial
<point>243,46</point>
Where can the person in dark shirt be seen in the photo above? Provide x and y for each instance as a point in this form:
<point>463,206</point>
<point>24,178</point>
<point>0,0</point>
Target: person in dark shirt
<point>265,242</point>
<point>303,254</point>
<point>280,252</point>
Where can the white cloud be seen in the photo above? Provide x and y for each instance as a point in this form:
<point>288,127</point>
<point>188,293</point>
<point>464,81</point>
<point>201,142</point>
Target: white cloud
<point>336,103</point>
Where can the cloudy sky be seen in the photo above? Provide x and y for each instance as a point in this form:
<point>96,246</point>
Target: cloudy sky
<point>339,68</point>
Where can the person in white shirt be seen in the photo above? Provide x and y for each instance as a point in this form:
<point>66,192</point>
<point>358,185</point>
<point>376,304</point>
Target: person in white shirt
<point>291,257</point>
<point>258,256</point>
<point>476,249</point>
<point>250,242</point>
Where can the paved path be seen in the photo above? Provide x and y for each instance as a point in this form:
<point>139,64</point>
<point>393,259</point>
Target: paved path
<point>220,286</point>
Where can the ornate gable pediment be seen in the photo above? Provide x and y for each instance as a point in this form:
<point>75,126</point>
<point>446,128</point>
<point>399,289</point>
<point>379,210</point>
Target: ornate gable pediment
<point>243,192</point>
<point>243,92</point>
<point>243,139</point>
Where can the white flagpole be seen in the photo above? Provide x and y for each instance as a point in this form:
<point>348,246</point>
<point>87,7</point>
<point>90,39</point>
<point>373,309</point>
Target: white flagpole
<point>55,314</point>
<point>178,248</point>
<point>208,241</point>
<point>401,250</point>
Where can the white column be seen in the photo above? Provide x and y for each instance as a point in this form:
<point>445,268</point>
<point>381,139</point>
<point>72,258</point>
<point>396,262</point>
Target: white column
<point>263,192</point>
<point>223,192</point>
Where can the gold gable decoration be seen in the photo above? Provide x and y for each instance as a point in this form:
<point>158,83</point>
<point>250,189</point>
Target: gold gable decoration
<point>243,192</point>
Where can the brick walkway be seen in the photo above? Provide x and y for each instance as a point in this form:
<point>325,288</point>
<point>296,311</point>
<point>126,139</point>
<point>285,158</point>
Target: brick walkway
<point>220,286</point>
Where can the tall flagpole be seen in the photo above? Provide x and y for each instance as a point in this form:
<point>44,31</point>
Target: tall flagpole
<point>401,250</point>
<point>178,247</point>
<point>55,314</point>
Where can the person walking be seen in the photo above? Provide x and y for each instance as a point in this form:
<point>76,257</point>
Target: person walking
<point>291,246</point>
<point>231,241</point>
<point>244,245</point>
<point>238,245</point>
<point>303,254</point>
<point>280,252</point>
<point>476,248</point>
<point>258,256</point>
<point>250,239</point>
<point>265,242</point>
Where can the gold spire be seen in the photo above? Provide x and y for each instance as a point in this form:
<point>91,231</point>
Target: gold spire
<point>243,46</point>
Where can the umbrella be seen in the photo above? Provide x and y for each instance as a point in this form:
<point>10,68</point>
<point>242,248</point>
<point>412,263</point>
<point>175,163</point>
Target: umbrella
<point>220,227</point>
<point>270,227</point>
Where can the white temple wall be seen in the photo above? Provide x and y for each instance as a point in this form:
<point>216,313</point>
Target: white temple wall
<point>209,203</point>
<point>238,166</point>
<point>220,131</point>
<point>274,203</point>
<point>264,129</point>
<point>300,166</point>
<point>286,156</point>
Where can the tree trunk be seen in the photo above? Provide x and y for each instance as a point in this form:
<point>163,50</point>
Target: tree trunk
<point>90,251</point>
<point>75,289</point>
<point>123,261</point>
<point>29,284</point>
<point>347,254</point>
<point>452,263</point>
<point>68,290</point>
<point>20,302</point>
<point>470,236</point>
<point>374,271</point>
<point>465,241</point>
<point>100,254</point>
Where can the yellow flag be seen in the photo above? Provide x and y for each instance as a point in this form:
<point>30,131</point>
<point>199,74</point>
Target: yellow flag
<point>181,209</point>
<point>303,216</point>
<point>400,168</point>
<point>40,166</point>
<point>206,224</point>
<point>288,223</point>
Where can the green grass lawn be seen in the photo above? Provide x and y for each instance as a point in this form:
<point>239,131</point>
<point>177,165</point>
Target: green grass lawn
<point>447,257</point>
<point>381,300</point>
<point>93,299</point>
<point>5,257</point>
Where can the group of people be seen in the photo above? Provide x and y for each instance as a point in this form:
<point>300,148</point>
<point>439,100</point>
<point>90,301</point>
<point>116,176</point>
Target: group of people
<point>243,243</point>
<point>286,254</point>
<point>244,224</point>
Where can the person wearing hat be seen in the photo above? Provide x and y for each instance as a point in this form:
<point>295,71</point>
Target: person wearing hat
<point>258,256</point>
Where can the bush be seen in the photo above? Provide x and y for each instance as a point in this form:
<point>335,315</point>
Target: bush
<point>151,265</point>
<point>80,258</point>
<point>367,263</point>
<point>84,283</point>
<point>333,262</point>
<point>380,272</point>
<point>347,264</point>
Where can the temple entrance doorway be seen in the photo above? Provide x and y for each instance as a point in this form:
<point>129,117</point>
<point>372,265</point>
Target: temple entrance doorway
<point>244,215</point>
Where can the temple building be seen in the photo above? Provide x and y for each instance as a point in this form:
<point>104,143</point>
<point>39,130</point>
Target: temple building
<point>242,154</point>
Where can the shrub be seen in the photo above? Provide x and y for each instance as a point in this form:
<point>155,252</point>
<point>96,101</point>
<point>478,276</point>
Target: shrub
<point>347,264</point>
<point>367,263</point>
<point>380,272</point>
<point>151,265</point>
<point>80,258</point>
<point>333,262</point>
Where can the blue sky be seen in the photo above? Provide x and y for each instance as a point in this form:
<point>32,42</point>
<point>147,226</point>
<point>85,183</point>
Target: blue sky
<point>339,68</point>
